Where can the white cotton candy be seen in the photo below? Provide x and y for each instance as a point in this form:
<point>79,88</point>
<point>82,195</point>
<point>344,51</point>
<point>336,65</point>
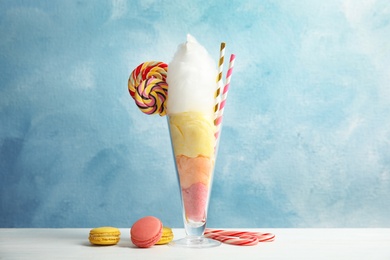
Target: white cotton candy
<point>191,79</point>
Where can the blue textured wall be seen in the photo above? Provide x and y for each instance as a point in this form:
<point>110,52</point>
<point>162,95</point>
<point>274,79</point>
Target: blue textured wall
<point>306,139</point>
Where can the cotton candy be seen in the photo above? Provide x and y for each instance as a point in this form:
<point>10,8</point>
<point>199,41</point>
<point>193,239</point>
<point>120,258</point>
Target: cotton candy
<point>191,79</point>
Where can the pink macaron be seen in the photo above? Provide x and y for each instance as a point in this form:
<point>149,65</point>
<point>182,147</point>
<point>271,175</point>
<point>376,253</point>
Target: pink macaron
<point>146,231</point>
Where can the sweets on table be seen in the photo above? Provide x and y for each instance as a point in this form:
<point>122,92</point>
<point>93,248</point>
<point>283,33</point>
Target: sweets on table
<point>192,95</point>
<point>194,107</point>
<point>104,236</point>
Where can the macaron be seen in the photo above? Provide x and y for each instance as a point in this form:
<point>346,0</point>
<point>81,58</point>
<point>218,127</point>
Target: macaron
<point>167,236</point>
<point>104,236</point>
<point>146,231</point>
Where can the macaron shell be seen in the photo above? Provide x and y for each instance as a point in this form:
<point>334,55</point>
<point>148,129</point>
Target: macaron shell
<point>104,241</point>
<point>167,236</point>
<point>146,231</point>
<point>104,236</point>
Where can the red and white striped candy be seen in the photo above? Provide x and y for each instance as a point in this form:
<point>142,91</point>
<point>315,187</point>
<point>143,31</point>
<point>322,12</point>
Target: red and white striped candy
<point>239,238</point>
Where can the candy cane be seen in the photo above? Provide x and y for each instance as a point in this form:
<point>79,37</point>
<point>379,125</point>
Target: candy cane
<point>239,238</point>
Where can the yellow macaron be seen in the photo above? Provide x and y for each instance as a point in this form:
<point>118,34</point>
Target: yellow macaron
<point>104,236</point>
<point>167,236</point>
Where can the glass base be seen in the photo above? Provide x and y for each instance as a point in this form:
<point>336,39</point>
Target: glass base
<point>195,242</point>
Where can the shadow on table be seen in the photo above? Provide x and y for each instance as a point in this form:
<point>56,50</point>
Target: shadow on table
<point>122,245</point>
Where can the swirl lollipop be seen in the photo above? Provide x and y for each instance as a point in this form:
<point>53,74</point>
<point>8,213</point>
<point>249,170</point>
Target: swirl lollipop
<point>148,87</point>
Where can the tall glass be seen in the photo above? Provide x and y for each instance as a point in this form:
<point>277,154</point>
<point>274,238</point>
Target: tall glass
<point>195,149</point>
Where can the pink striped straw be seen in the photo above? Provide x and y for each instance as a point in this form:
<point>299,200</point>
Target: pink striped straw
<point>219,113</point>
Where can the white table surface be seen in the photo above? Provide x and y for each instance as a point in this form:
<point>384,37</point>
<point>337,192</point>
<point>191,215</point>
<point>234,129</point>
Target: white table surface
<point>51,244</point>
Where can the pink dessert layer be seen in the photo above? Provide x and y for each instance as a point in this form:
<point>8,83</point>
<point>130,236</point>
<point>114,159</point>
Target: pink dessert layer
<point>195,199</point>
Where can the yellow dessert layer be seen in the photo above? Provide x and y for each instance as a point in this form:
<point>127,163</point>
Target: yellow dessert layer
<point>192,134</point>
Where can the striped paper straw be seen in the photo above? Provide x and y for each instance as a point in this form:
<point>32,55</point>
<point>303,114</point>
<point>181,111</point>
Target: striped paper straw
<point>219,113</point>
<point>219,77</point>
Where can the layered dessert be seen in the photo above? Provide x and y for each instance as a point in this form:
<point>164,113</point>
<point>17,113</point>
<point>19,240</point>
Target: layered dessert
<point>192,135</point>
<point>190,104</point>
